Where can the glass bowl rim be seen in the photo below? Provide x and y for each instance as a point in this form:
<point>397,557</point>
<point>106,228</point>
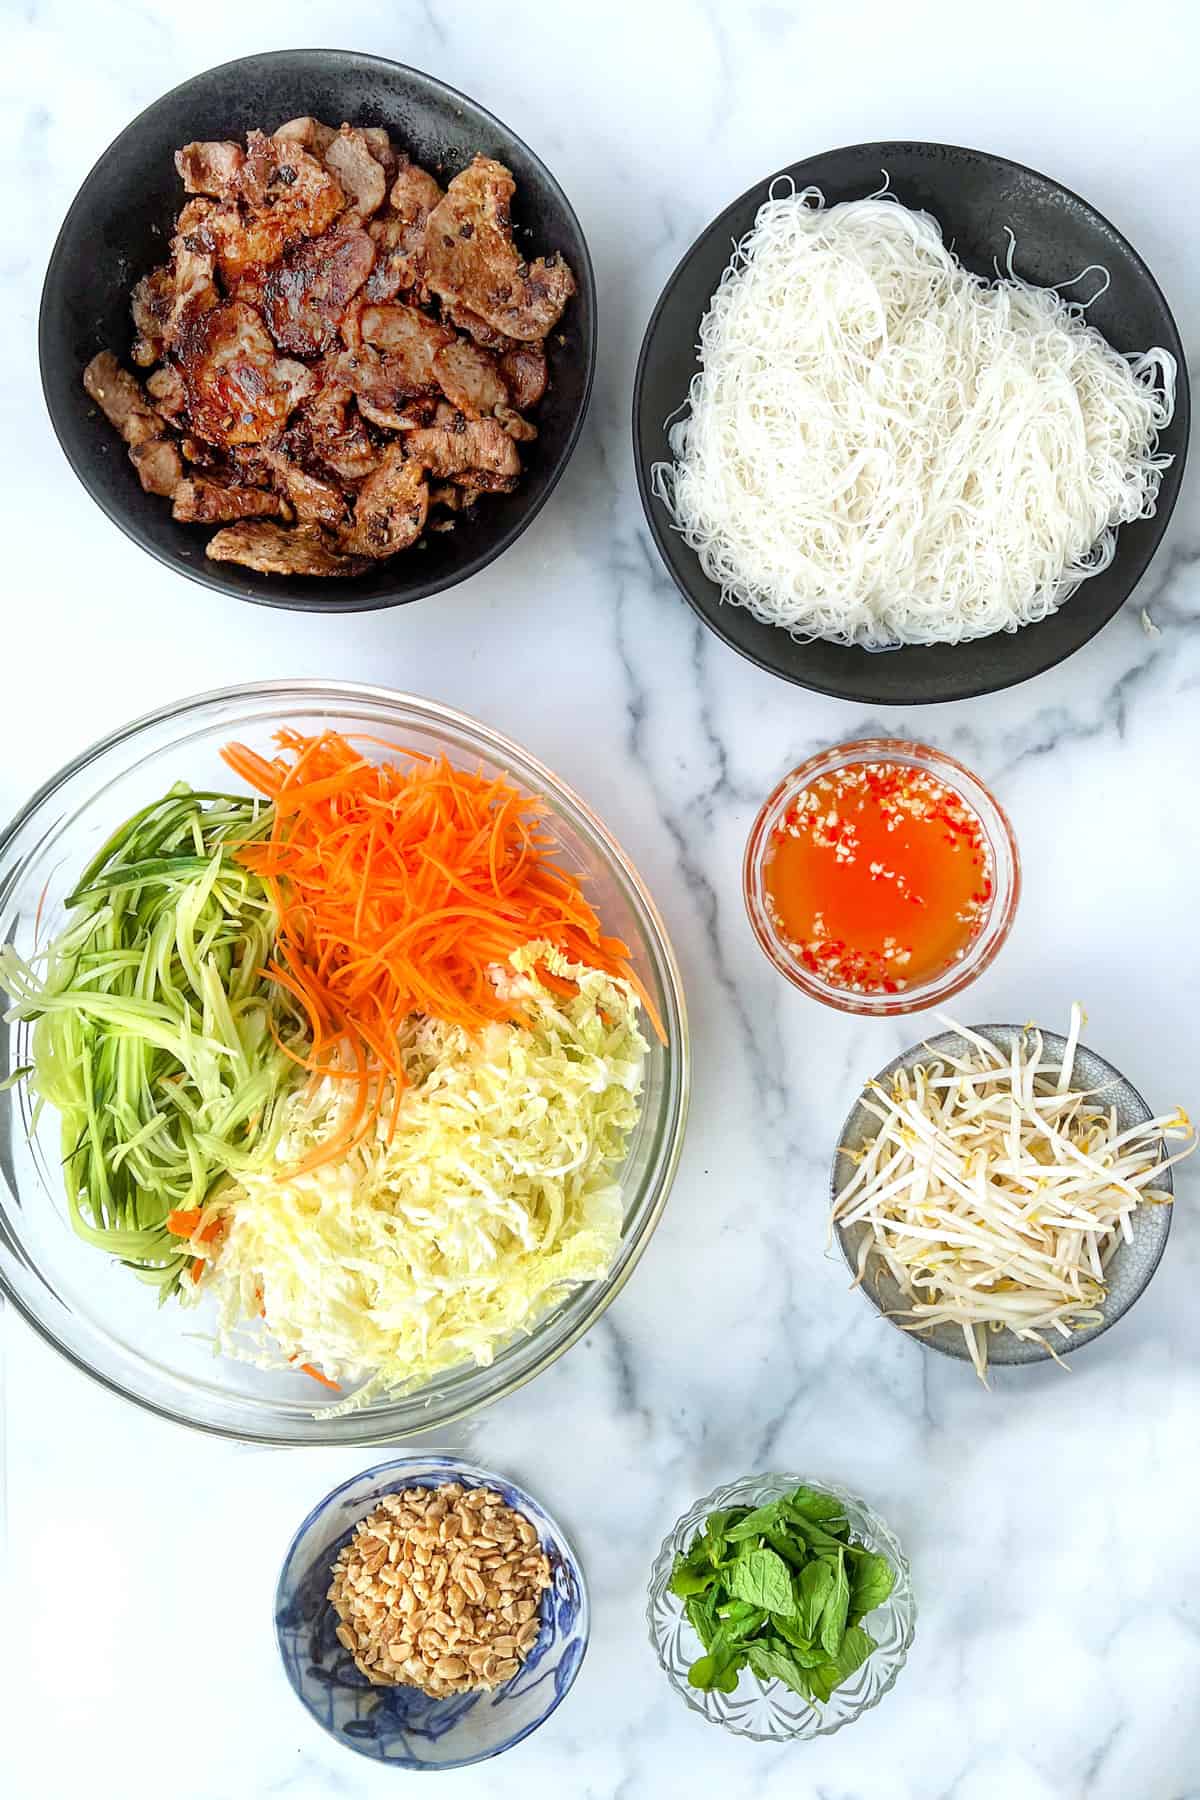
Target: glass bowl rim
<point>453,1468</point>
<point>987,942</point>
<point>734,1493</point>
<point>385,1428</point>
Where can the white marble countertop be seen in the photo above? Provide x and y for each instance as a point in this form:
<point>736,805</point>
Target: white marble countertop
<point>1050,1523</point>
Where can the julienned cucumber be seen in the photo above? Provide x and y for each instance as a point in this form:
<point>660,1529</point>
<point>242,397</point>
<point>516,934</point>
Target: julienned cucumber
<point>158,1038</point>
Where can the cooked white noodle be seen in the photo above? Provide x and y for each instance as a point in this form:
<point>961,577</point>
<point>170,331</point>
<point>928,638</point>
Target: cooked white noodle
<point>881,448</point>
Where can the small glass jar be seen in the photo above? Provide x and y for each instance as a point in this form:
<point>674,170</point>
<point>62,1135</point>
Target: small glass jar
<point>1005,874</point>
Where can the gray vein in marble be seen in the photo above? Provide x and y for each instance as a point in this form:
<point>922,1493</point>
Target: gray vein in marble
<point>300,1780</point>
<point>769,1090</point>
<point>432,20</point>
<point>623,1363</point>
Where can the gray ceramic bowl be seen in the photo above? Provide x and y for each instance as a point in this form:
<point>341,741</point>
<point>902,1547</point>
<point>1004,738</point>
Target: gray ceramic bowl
<point>1133,1264</point>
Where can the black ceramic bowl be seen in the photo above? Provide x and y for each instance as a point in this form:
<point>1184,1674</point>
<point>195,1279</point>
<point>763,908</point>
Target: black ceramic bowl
<point>118,228</point>
<point>975,198</point>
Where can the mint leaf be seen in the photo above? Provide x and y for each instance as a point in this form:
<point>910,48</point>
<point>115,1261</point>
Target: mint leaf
<point>741,1620</point>
<point>701,1616</point>
<point>792,1549</point>
<point>816,1580</point>
<point>714,1671</point>
<point>837,1605</point>
<point>817,1537</point>
<point>856,1646</point>
<point>720,1667</point>
<point>685,1581</point>
<point>762,1578</point>
<point>821,1682</point>
<point>757,1523</point>
<point>771,1662</point>
<point>780,1589</point>
<point>806,1653</point>
<point>872,1579</point>
<point>716,1529</point>
<point>812,1505</point>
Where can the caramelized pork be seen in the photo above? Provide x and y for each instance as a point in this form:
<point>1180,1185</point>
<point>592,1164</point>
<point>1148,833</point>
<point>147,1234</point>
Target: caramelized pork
<point>238,389</point>
<point>524,371</point>
<point>465,448</point>
<point>158,466</point>
<point>338,347</point>
<point>362,177</point>
<point>400,234</point>
<point>306,294</point>
<point>309,133</point>
<point>119,396</point>
<point>391,509</point>
<point>471,260</point>
<point>272,550</point>
<point>201,501</point>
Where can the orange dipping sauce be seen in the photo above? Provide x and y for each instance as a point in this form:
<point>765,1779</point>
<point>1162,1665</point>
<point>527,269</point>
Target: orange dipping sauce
<point>878,877</point>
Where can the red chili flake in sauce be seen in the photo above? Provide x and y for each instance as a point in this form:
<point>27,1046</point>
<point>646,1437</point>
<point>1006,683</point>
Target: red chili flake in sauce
<point>878,877</point>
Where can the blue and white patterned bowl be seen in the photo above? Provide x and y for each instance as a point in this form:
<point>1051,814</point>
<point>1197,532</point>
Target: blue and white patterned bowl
<point>400,1725</point>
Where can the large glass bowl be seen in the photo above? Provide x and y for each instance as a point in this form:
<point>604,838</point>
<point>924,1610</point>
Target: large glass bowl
<point>96,1312</point>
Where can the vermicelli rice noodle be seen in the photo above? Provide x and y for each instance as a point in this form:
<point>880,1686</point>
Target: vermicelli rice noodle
<point>881,448</point>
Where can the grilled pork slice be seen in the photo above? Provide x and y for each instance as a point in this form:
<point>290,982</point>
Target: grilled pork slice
<point>471,260</point>
<point>120,398</point>
<point>158,464</point>
<point>399,234</point>
<point>359,172</point>
<point>307,132</point>
<point>202,501</point>
<point>471,381</point>
<point>316,501</point>
<point>409,335</point>
<point>328,431</point>
<point>480,449</point>
<point>212,168</point>
<point>239,391</point>
<point>524,371</point>
<point>306,294</point>
<point>280,194</point>
<point>391,508</point>
<point>167,389</point>
<point>272,550</point>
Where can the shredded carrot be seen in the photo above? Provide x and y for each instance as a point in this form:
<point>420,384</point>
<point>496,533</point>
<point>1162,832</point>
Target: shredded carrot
<point>189,1223</point>
<point>399,885</point>
<point>307,1369</point>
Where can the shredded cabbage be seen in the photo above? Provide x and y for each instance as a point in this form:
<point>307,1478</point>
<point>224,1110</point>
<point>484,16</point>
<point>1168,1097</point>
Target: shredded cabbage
<point>495,1194</point>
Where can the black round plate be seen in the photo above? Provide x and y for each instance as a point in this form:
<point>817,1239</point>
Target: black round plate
<point>118,228</point>
<point>975,198</point>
